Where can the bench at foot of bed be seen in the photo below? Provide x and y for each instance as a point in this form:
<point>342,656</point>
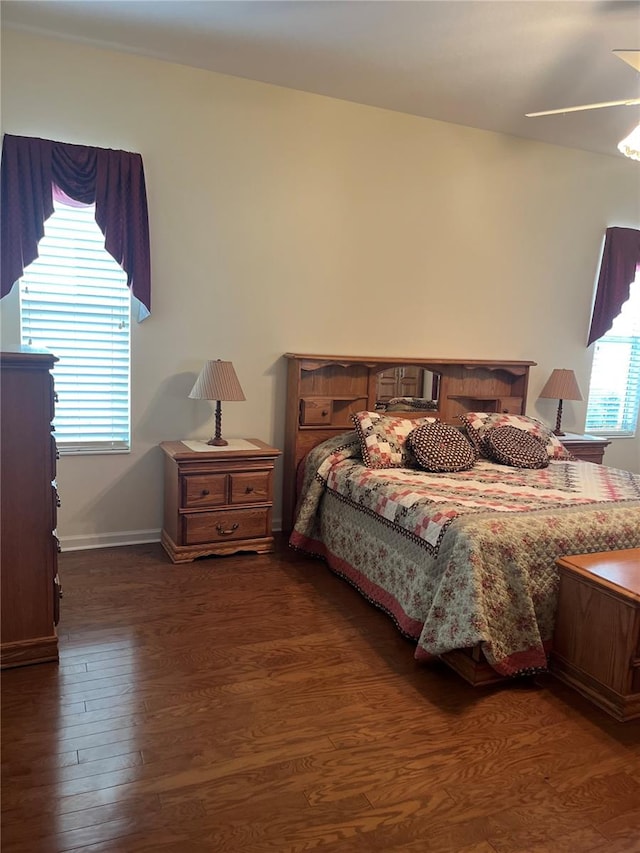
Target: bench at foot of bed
<point>596,645</point>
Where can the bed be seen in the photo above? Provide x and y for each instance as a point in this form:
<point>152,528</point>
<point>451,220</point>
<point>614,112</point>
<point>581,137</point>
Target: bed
<point>462,560</point>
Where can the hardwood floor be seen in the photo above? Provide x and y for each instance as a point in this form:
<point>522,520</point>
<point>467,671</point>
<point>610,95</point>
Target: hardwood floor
<point>257,703</point>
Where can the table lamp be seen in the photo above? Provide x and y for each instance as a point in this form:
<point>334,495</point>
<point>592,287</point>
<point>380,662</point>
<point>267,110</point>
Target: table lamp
<point>217,381</point>
<point>561,385</point>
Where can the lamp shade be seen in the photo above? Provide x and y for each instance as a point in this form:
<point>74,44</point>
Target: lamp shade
<point>217,381</point>
<point>562,385</point>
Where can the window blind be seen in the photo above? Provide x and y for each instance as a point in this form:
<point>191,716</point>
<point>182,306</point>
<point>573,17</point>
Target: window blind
<point>614,391</point>
<point>75,302</point>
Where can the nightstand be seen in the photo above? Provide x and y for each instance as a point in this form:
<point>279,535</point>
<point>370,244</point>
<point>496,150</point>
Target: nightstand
<point>588,448</point>
<point>217,500</point>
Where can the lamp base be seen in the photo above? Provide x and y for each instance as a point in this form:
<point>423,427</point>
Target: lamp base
<point>558,429</point>
<point>218,442</point>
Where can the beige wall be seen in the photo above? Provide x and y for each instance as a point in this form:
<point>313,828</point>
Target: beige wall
<point>287,221</point>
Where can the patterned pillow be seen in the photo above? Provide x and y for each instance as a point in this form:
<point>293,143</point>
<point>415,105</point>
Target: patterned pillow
<point>477,425</point>
<point>383,439</point>
<point>513,446</point>
<point>440,447</point>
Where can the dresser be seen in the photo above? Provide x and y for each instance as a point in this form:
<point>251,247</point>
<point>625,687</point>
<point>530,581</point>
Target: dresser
<point>588,448</point>
<point>28,508</point>
<point>217,500</point>
<point>596,643</point>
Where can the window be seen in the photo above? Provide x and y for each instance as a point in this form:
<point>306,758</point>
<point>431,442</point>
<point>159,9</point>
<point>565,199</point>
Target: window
<point>74,301</point>
<point>614,391</point>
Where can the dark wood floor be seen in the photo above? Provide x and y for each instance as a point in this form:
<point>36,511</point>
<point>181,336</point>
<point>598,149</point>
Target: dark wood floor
<point>257,703</point>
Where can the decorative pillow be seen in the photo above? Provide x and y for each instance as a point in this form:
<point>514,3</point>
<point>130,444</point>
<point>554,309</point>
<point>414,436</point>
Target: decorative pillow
<point>383,439</point>
<point>478,424</point>
<point>440,447</point>
<point>513,446</point>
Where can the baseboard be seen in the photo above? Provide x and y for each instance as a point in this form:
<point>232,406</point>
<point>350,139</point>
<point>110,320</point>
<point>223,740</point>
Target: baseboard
<point>121,537</point>
<point>23,652</point>
<point>108,540</point>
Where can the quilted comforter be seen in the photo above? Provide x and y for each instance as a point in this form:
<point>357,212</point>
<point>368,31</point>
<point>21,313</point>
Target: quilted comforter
<point>465,558</point>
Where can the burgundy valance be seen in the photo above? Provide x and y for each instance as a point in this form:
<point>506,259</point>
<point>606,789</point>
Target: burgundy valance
<point>620,258</point>
<point>113,180</point>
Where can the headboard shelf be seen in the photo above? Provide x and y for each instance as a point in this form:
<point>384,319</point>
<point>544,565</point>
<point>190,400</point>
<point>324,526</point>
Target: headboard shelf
<point>479,403</point>
<point>323,391</point>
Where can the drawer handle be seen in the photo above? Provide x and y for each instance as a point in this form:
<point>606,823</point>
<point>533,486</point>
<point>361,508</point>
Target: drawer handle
<point>224,532</point>
<point>324,413</point>
<point>204,492</point>
<point>248,490</point>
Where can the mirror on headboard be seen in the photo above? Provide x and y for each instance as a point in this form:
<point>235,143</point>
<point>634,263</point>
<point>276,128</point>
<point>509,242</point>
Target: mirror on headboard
<point>407,388</point>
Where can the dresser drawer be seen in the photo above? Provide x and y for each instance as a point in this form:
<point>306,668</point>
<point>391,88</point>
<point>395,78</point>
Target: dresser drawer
<point>55,504</point>
<point>250,487</point>
<point>54,457</point>
<point>199,490</point>
<point>53,398</point>
<point>225,525</point>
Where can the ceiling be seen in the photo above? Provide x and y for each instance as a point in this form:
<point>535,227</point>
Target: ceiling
<point>480,63</point>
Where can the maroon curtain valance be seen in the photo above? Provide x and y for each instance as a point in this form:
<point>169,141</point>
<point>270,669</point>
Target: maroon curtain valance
<point>620,258</point>
<point>113,180</point>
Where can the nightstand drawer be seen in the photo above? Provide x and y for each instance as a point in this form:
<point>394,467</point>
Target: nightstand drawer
<point>587,448</point>
<point>204,490</point>
<point>225,525</point>
<point>250,487</point>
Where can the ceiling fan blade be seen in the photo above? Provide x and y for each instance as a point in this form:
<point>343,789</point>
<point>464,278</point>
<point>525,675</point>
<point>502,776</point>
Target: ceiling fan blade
<point>630,102</point>
<point>631,57</point>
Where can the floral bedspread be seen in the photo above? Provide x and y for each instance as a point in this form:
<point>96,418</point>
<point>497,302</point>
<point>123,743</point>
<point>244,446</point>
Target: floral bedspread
<point>464,558</point>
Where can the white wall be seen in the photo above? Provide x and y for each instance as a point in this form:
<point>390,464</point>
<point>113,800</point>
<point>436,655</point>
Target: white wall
<point>287,221</point>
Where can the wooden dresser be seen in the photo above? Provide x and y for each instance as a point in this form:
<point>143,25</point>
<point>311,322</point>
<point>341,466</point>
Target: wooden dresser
<point>217,500</point>
<point>596,643</point>
<point>28,506</point>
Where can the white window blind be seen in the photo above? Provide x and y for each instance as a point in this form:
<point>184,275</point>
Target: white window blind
<point>74,301</point>
<point>614,390</point>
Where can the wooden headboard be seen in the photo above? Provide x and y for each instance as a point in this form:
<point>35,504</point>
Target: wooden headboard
<point>323,391</point>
